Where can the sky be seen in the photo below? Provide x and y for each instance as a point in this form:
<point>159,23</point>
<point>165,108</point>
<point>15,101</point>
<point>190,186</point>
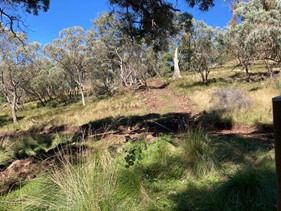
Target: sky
<point>45,27</point>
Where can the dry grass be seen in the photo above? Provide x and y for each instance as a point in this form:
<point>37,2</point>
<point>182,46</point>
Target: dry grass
<point>259,92</point>
<point>74,114</point>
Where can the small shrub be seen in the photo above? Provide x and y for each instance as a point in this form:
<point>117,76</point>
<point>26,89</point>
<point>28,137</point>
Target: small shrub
<point>134,151</point>
<point>230,99</point>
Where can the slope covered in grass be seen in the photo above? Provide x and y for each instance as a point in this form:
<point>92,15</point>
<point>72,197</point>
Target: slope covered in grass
<point>164,148</point>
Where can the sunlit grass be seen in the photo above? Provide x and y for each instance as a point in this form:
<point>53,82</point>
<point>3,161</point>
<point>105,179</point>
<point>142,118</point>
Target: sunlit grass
<point>74,114</point>
<point>259,93</point>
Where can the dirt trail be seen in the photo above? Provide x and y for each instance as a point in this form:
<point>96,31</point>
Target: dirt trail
<point>161,98</point>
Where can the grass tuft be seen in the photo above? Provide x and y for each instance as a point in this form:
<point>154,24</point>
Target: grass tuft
<point>249,189</point>
<point>198,153</point>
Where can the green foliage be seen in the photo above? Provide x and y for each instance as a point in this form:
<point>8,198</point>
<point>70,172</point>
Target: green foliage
<point>166,61</point>
<point>257,36</point>
<point>133,152</point>
<point>160,161</point>
<point>152,19</point>
<point>205,47</point>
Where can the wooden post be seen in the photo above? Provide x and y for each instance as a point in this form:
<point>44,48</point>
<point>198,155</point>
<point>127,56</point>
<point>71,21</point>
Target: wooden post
<point>276,101</point>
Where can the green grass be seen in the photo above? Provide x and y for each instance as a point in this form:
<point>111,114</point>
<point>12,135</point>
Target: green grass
<point>168,174</point>
<point>248,189</point>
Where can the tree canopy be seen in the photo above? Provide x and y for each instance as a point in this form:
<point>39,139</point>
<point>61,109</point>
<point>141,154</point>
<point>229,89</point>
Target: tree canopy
<point>154,19</point>
<point>143,18</point>
<point>10,11</point>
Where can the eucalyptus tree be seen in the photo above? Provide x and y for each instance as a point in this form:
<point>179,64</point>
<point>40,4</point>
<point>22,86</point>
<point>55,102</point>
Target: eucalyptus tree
<point>236,39</point>
<point>263,30</point>
<point>70,53</point>
<point>205,47</point>
<point>103,41</point>
<point>16,65</point>
<point>48,83</point>
<point>183,23</point>
<point>154,19</point>
<point>120,60</point>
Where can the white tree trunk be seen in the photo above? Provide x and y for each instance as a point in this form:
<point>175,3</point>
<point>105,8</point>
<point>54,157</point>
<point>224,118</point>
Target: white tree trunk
<point>82,96</point>
<point>80,87</point>
<point>177,73</point>
<point>13,109</point>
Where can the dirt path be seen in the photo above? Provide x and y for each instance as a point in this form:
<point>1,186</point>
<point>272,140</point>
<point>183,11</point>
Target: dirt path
<point>161,98</point>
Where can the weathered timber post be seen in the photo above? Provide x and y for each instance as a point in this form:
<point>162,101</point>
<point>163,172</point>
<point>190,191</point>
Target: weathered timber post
<point>276,101</point>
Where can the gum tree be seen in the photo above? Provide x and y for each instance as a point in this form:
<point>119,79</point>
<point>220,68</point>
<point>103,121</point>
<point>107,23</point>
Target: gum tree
<point>120,60</point>
<point>264,29</point>
<point>16,66</point>
<point>205,47</point>
<point>70,54</point>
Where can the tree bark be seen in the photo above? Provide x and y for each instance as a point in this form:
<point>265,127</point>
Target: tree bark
<point>82,95</point>
<point>177,73</point>
<point>13,109</point>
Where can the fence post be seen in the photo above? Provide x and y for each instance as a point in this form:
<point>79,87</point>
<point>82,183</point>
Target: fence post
<point>276,104</point>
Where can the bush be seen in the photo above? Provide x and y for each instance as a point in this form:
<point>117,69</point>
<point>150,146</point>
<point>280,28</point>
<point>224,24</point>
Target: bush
<point>230,99</point>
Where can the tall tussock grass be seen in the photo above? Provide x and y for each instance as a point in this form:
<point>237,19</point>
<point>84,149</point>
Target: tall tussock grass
<point>97,184</point>
<point>248,189</point>
<point>198,153</point>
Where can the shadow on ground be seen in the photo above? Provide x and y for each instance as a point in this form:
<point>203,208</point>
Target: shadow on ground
<point>253,189</point>
<point>6,119</point>
<point>170,123</point>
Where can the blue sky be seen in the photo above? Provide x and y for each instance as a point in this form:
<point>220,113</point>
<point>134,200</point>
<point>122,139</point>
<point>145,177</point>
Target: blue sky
<point>45,27</point>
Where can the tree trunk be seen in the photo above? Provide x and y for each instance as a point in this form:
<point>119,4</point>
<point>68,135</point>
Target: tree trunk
<point>13,109</point>
<point>82,95</point>
<point>177,73</point>
<point>202,76</point>
<point>207,71</point>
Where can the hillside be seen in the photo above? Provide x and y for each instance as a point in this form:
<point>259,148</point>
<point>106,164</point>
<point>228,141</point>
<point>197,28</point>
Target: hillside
<point>167,146</point>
